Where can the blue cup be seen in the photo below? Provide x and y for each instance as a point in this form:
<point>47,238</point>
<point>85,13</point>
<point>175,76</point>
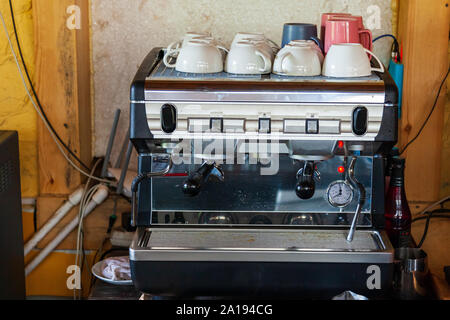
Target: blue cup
<point>300,31</point>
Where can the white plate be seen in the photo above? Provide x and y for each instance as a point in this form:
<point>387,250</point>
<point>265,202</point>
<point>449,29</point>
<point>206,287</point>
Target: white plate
<point>97,272</point>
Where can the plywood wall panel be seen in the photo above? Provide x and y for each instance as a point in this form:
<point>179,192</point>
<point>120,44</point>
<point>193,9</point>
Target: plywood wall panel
<point>423,33</point>
<point>63,86</point>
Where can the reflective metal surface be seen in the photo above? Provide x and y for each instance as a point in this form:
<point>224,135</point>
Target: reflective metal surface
<point>244,189</point>
<point>214,244</point>
<point>319,93</point>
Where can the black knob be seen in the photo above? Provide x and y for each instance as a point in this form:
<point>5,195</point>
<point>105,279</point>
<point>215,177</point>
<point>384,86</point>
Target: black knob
<point>179,218</point>
<point>359,121</point>
<point>168,118</point>
<point>305,188</point>
<point>193,185</point>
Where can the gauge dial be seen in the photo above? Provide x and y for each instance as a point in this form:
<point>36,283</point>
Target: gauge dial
<point>340,194</point>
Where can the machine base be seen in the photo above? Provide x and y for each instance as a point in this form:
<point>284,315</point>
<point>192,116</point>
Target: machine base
<point>274,280</point>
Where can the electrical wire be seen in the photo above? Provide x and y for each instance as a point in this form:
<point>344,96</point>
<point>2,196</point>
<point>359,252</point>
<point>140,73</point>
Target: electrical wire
<point>442,216</point>
<point>86,198</point>
<point>34,91</point>
<point>427,223</point>
<point>429,114</point>
<point>384,36</point>
<point>395,46</point>
<point>440,202</point>
<point>41,115</point>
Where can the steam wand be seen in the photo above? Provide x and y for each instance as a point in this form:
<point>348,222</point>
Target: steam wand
<point>137,181</point>
<point>361,200</point>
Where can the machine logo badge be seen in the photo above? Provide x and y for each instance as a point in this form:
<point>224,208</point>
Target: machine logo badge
<point>374,280</point>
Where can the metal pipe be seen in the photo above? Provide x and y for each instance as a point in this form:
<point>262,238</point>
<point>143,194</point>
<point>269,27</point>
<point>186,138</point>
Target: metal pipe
<point>123,149</point>
<point>123,173</point>
<point>110,143</point>
<point>362,198</point>
<point>98,198</point>
<point>137,181</point>
<point>74,199</point>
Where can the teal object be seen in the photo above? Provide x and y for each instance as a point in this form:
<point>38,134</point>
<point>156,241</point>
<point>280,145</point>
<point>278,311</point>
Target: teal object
<point>396,70</point>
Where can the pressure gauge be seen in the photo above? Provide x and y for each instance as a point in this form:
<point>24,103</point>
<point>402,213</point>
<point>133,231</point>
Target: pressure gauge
<point>340,194</point>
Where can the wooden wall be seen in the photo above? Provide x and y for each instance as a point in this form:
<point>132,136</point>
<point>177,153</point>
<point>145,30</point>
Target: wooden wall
<point>63,86</point>
<point>423,33</point>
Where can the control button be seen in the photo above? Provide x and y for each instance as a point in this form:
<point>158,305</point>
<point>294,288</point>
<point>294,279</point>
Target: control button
<point>312,126</point>
<point>233,125</point>
<point>294,126</point>
<point>359,121</point>
<point>216,125</point>
<point>168,118</point>
<point>329,127</point>
<point>264,125</point>
<point>198,125</point>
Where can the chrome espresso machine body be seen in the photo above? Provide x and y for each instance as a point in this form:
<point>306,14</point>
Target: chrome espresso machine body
<point>249,185</point>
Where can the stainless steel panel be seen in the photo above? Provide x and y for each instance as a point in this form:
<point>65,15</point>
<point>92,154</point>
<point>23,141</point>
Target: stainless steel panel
<point>294,126</point>
<point>233,125</point>
<point>329,127</point>
<point>198,125</point>
<point>246,190</point>
<point>318,95</point>
<point>251,245</point>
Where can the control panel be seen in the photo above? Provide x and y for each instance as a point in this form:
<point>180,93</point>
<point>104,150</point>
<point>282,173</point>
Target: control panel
<point>254,121</point>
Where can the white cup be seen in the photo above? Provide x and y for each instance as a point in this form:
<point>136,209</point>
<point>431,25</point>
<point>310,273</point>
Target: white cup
<point>310,43</point>
<point>247,58</point>
<point>297,60</point>
<point>245,36</point>
<point>345,60</point>
<point>262,45</point>
<point>197,57</point>
<point>170,52</point>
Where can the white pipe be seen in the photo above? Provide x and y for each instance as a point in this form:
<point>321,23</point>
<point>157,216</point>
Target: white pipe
<point>74,199</point>
<point>98,198</point>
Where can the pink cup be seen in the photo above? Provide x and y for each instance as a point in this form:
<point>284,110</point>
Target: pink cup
<point>325,18</point>
<point>366,36</point>
<point>346,30</point>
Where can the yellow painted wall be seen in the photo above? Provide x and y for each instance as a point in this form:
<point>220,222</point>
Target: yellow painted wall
<point>16,111</point>
<point>50,277</point>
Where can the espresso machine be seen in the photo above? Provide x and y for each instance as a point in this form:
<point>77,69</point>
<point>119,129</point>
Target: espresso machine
<point>260,185</point>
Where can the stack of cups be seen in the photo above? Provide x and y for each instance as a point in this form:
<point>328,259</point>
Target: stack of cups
<point>347,46</point>
<point>251,53</point>
<point>299,58</point>
<point>195,53</point>
<point>301,54</point>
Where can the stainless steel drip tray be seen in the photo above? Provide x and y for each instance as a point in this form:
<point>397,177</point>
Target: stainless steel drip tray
<point>260,245</point>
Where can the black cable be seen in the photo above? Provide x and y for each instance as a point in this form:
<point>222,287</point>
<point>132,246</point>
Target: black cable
<point>427,223</point>
<point>426,214</point>
<point>34,91</point>
<point>434,216</point>
<point>429,115</point>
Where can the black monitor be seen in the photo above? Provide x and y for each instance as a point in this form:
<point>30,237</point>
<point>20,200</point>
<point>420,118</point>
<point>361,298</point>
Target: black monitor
<point>12,273</point>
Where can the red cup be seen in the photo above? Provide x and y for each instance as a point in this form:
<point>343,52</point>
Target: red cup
<point>325,18</point>
<point>366,36</point>
<point>346,30</point>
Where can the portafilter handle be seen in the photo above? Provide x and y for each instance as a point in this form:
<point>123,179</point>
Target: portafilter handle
<point>306,186</point>
<point>193,185</point>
